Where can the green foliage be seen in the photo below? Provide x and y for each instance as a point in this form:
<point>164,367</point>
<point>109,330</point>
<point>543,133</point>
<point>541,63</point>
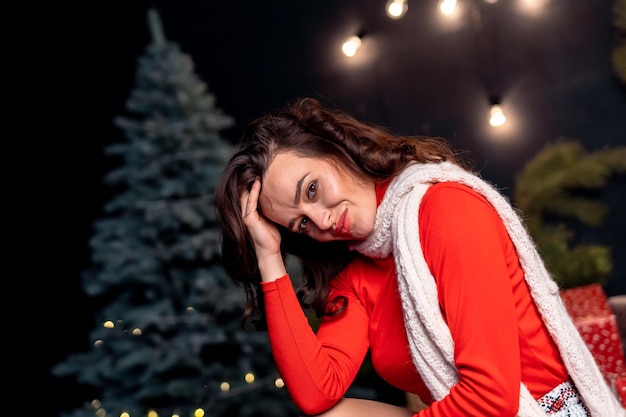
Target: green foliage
<point>553,191</point>
<point>619,50</point>
<point>174,318</point>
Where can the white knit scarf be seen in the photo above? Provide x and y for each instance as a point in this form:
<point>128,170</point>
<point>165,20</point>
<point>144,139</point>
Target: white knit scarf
<point>396,231</point>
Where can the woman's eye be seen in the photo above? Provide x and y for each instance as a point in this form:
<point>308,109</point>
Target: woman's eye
<point>303,225</point>
<point>310,191</point>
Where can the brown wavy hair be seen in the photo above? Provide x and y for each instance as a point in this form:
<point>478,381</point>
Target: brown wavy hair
<point>307,128</point>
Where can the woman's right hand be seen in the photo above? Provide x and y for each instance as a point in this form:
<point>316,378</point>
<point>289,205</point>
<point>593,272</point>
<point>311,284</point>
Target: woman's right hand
<point>264,234</point>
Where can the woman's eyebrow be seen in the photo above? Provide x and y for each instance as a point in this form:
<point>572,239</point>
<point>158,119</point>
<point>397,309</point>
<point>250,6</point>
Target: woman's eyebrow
<point>297,198</point>
<point>299,189</point>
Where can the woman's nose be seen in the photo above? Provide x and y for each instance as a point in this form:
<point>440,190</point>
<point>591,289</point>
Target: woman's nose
<point>321,218</point>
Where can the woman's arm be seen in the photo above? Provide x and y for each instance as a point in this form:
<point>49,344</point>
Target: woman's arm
<point>317,368</point>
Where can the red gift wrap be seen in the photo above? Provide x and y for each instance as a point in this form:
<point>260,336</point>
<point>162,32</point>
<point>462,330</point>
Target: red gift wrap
<point>586,302</point>
<point>602,338</point>
<point>597,324</point>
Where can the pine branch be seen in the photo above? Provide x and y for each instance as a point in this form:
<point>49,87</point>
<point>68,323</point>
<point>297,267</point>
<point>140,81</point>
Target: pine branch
<point>556,187</point>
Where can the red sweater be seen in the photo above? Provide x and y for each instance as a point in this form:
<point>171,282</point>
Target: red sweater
<point>499,337</point>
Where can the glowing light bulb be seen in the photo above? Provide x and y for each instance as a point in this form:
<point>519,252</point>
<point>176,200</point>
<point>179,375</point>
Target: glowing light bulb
<point>396,8</point>
<point>249,377</point>
<point>533,6</point>
<point>350,46</point>
<point>496,116</point>
<point>447,6</point>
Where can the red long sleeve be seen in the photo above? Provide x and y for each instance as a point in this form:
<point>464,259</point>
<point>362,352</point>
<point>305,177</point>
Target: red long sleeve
<point>499,337</point>
<point>317,369</point>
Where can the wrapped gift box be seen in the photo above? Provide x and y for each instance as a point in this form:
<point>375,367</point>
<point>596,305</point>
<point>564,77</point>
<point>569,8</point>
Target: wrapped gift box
<point>597,324</point>
<point>602,338</point>
<point>586,302</point>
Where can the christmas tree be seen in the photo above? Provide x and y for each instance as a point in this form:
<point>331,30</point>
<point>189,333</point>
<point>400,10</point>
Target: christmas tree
<point>169,339</point>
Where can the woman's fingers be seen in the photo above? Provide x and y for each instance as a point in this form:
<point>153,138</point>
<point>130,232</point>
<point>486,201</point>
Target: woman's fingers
<point>253,197</point>
<point>249,200</point>
<point>264,234</point>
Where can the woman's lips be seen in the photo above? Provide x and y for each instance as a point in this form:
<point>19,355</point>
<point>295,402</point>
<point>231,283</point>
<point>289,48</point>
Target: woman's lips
<point>342,227</point>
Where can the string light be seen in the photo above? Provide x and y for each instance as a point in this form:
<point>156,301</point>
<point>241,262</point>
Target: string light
<point>396,8</point>
<point>226,392</point>
<point>532,7</point>
<point>351,46</point>
<point>447,7</point>
<point>496,115</point>
<point>225,387</point>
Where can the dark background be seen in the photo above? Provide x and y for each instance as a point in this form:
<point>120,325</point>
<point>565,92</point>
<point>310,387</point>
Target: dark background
<point>551,70</point>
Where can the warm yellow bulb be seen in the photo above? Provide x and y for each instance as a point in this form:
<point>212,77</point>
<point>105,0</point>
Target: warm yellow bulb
<point>447,6</point>
<point>199,412</point>
<point>533,6</point>
<point>350,46</point>
<point>396,8</point>
<point>249,377</point>
<point>496,116</point>
<point>224,386</point>
<point>279,383</point>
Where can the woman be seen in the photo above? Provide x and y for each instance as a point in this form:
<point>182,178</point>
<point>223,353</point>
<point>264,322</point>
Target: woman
<point>405,253</point>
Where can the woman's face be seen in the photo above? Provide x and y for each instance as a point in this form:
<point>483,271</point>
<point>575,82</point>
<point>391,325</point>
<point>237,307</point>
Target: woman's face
<point>318,198</point>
